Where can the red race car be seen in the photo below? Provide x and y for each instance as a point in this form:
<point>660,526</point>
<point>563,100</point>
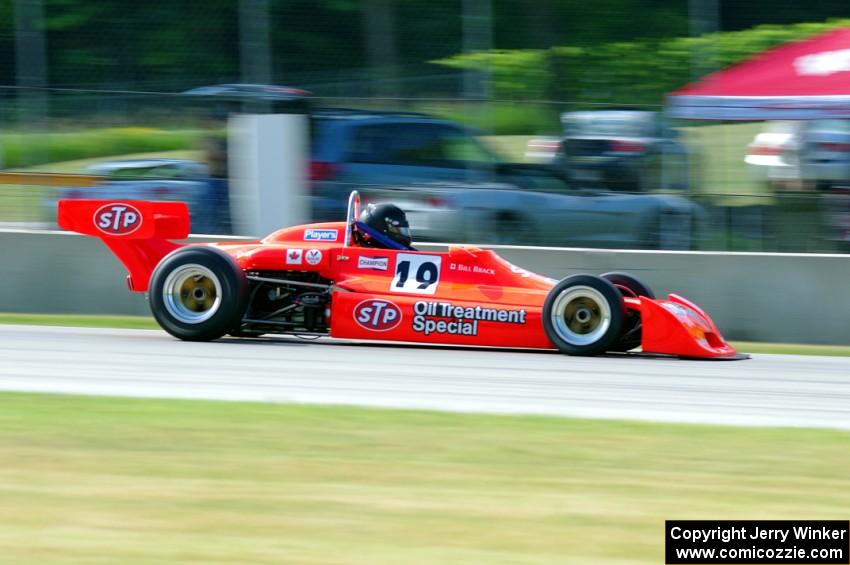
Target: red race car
<point>322,279</point>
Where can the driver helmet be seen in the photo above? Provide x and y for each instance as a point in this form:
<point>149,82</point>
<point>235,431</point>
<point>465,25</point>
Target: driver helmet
<point>387,219</point>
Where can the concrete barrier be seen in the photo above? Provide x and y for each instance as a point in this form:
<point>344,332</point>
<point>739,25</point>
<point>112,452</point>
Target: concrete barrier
<point>62,272</point>
<point>781,297</point>
<point>754,296</point>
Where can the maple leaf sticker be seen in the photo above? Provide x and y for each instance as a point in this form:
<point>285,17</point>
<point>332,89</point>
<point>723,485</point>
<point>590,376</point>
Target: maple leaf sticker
<point>293,256</point>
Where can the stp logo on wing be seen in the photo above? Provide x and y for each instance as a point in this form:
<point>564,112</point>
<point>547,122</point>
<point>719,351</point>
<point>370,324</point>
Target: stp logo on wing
<point>118,219</point>
<point>377,315</point>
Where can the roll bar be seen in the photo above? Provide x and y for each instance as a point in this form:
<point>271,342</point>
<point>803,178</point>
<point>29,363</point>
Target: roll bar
<point>351,215</point>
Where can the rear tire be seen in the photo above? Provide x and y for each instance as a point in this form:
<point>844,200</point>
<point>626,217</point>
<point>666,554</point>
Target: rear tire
<point>198,293</point>
<point>583,315</point>
<point>632,287</point>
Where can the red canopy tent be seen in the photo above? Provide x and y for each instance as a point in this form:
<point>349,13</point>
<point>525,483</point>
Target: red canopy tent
<point>798,80</point>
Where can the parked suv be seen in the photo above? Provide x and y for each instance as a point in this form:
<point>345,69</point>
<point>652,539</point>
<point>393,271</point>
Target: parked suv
<point>359,149</point>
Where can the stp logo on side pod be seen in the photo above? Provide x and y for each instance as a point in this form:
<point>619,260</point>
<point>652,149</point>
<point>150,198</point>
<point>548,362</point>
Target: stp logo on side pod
<point>118,219</point>
<point>377,315</point>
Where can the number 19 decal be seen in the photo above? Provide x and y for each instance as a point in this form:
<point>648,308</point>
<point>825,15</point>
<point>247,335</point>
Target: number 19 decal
<point>416,274</point>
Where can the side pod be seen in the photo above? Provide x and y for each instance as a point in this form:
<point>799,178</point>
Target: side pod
<point>137,232</point>
<point>677,326</point>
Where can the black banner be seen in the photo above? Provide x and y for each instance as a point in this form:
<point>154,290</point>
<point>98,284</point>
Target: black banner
<point>757,542</point>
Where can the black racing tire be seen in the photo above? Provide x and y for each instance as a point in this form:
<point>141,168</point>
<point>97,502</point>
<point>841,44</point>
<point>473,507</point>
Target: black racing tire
<point>632,287</point>
<point>583,315</point>
<point>198,293</point>
<point>628,285</point>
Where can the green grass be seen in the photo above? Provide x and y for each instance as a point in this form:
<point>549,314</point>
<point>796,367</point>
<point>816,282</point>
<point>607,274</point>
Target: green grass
<point>512,148</point>
<point>105,480</point>
<point>792,348</point>
<point>80,320</point>
<point>79,166</point>
<point>719,165</point>
<point>499,118</point>
<point>25,149</point>
<point>144,322</point>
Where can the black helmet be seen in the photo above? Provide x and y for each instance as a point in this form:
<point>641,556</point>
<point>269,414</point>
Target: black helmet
<point>389,220</point>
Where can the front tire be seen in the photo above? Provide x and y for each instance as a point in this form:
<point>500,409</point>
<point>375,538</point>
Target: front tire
<point>583,315</point>
<point>632,287</point>
<point>628,285</point>
<point>198,294</point>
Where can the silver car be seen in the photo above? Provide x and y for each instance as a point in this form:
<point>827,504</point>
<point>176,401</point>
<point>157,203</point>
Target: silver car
<point>549,214</point>
<point>159,179</point>
<point>623,149</point>
<point>802,154</point>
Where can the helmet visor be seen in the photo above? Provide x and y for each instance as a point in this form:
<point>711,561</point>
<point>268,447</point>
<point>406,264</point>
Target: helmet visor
<point>399,233</point>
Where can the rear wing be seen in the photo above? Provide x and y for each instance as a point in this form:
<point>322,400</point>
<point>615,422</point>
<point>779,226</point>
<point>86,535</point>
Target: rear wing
<point>136,231</point>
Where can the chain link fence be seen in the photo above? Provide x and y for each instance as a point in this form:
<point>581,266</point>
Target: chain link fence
<point>87,83</point>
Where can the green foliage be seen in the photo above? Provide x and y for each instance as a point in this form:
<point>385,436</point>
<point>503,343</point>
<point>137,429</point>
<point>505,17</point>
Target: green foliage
<point>637,72</point>
<point>510,119</point>
<point>26,149</point>
<point>501,119</point>
<point>518,73</point>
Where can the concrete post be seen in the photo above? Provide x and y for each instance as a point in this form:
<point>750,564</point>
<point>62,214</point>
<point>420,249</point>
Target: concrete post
<point>267,158</point>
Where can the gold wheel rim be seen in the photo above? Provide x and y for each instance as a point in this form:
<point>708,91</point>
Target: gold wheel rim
<point>581,315</point>
<point>192,294</point>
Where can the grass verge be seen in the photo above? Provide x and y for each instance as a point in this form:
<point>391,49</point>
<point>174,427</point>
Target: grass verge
<point>792,348</point>
<point>28,149</point>
<point>152,481</point>
<point>718,153</point>
<point>79,166</point>
<point>144,322</point>
<point>80,320</point>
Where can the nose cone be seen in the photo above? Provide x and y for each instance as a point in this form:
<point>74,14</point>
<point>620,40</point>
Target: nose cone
<point>677,326</point>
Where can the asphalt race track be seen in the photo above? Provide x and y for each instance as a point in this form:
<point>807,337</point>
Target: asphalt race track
<point>786,390</point>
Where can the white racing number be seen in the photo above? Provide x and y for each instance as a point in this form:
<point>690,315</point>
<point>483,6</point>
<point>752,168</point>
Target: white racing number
<point>416,274</point>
